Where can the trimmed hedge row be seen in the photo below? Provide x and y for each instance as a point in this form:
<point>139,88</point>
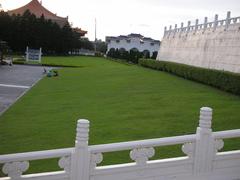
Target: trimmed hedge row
<point>39,64</point>
<point>223,80</point>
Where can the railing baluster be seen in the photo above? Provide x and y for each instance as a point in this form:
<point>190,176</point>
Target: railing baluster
<point>141,155</point>
<point>65,163</point>
<point>15,169</point>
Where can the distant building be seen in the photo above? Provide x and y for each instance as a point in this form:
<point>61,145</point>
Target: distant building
<point>133,42</point>
<point>36,8</point>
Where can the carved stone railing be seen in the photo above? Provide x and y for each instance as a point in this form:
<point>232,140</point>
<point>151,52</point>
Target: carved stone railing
<point>197,27</point>
<point>203,161</point>
<point>14,165</point>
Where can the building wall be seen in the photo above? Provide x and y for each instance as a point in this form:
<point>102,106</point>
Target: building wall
<point>213,45</point>
<point>134,43</point>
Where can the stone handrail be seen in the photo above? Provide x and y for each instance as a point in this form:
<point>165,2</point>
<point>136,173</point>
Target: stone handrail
<point>142,144</point>
<point>158,142</point>
<point>36,155</point>
<point>214,24</point>
<point>227,134</point>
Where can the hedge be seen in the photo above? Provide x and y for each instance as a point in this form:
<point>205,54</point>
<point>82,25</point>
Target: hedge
<point>223,80</point>
<point>39,64</point>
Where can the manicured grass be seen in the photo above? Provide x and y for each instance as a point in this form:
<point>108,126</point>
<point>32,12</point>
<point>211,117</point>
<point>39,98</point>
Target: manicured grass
<point>122,102</point>
<point>83,61</point>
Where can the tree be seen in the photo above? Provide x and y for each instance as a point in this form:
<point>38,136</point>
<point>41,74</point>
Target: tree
<point>111,52</point>
<point>154,55</point>
<point>3,50</point>
<point>101,46</point>
<point>28,30</point>
<point>146,54</point>
<point>134,55</point>
<point>86,44</point>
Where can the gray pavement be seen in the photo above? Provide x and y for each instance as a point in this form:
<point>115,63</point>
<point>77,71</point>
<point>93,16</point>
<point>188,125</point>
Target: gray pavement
<point>15,81</point>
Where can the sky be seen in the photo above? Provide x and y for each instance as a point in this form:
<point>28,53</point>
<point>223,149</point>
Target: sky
<point>122,17</point>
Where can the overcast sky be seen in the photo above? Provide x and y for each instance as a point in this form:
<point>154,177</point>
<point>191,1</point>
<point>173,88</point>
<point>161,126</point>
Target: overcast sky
<point>121,17</point>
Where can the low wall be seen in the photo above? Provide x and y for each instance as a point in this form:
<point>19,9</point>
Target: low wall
<point>214,45</point>
<point>203,161</point>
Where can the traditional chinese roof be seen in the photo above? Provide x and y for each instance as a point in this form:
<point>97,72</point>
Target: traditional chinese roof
<point>80,31</point>
<point>38,10</point>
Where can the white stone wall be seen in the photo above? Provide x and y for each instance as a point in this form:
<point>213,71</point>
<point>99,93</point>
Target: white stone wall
<point>134,43</point>
<point>215,46</point>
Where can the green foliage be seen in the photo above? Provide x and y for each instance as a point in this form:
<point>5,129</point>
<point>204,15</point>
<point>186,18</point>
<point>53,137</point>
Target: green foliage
<point>85,44</point>
<point>134,56</point>
<point>101,46</point>
<point>154,55</point>
<point>131,56</point>
<point>3,50</point>
<point>223,80</point>
<point>28,30</point>
<point>146,54</point>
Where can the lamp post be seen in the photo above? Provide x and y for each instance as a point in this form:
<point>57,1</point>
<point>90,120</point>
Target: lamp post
<point>95,41</point>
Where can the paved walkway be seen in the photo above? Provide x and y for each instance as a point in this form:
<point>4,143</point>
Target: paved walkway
<point>15,81</point>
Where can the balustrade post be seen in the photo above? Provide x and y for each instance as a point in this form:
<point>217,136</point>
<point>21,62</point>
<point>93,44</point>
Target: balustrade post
<point>196,25</point>
<point>80,159</point>
<point>205,23</point>
<point>175,30</point>
<point>165,30</point>
<point>169,31</point>
<point>204,151</point>
<point>188,27</point>
<point>181,26</point>
<point>228,19</point>
<point>215,22</point>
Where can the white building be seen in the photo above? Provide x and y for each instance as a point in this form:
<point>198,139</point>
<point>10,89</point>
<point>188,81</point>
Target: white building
<point>133,42</point>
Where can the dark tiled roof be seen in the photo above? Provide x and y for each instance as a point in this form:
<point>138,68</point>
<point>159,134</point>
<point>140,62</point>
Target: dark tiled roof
<point>132,35</point>
<point>38,10</point>
<point>110,38</point>
<point>122,37</point>
<point>147,38</point>
<point>80,31</point>
<point>135,35</point>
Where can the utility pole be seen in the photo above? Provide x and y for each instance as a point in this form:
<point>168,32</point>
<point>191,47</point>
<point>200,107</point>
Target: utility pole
<point>95,42</point>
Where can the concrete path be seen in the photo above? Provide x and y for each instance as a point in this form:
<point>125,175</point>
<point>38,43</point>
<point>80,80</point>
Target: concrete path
<point>15,81</point>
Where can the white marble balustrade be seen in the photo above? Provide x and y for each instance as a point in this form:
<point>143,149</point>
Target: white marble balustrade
<point>82,162</point>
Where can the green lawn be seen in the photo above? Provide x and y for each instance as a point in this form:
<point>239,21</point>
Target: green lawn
<point>123,102</point>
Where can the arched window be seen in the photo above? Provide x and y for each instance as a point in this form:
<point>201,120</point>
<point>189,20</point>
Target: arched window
<point>134,49</point>
<point>146,53</point>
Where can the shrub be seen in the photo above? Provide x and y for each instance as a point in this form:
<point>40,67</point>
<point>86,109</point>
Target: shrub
<point>223,80</point>
<point>154,55</point>
<point>131,56</point>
